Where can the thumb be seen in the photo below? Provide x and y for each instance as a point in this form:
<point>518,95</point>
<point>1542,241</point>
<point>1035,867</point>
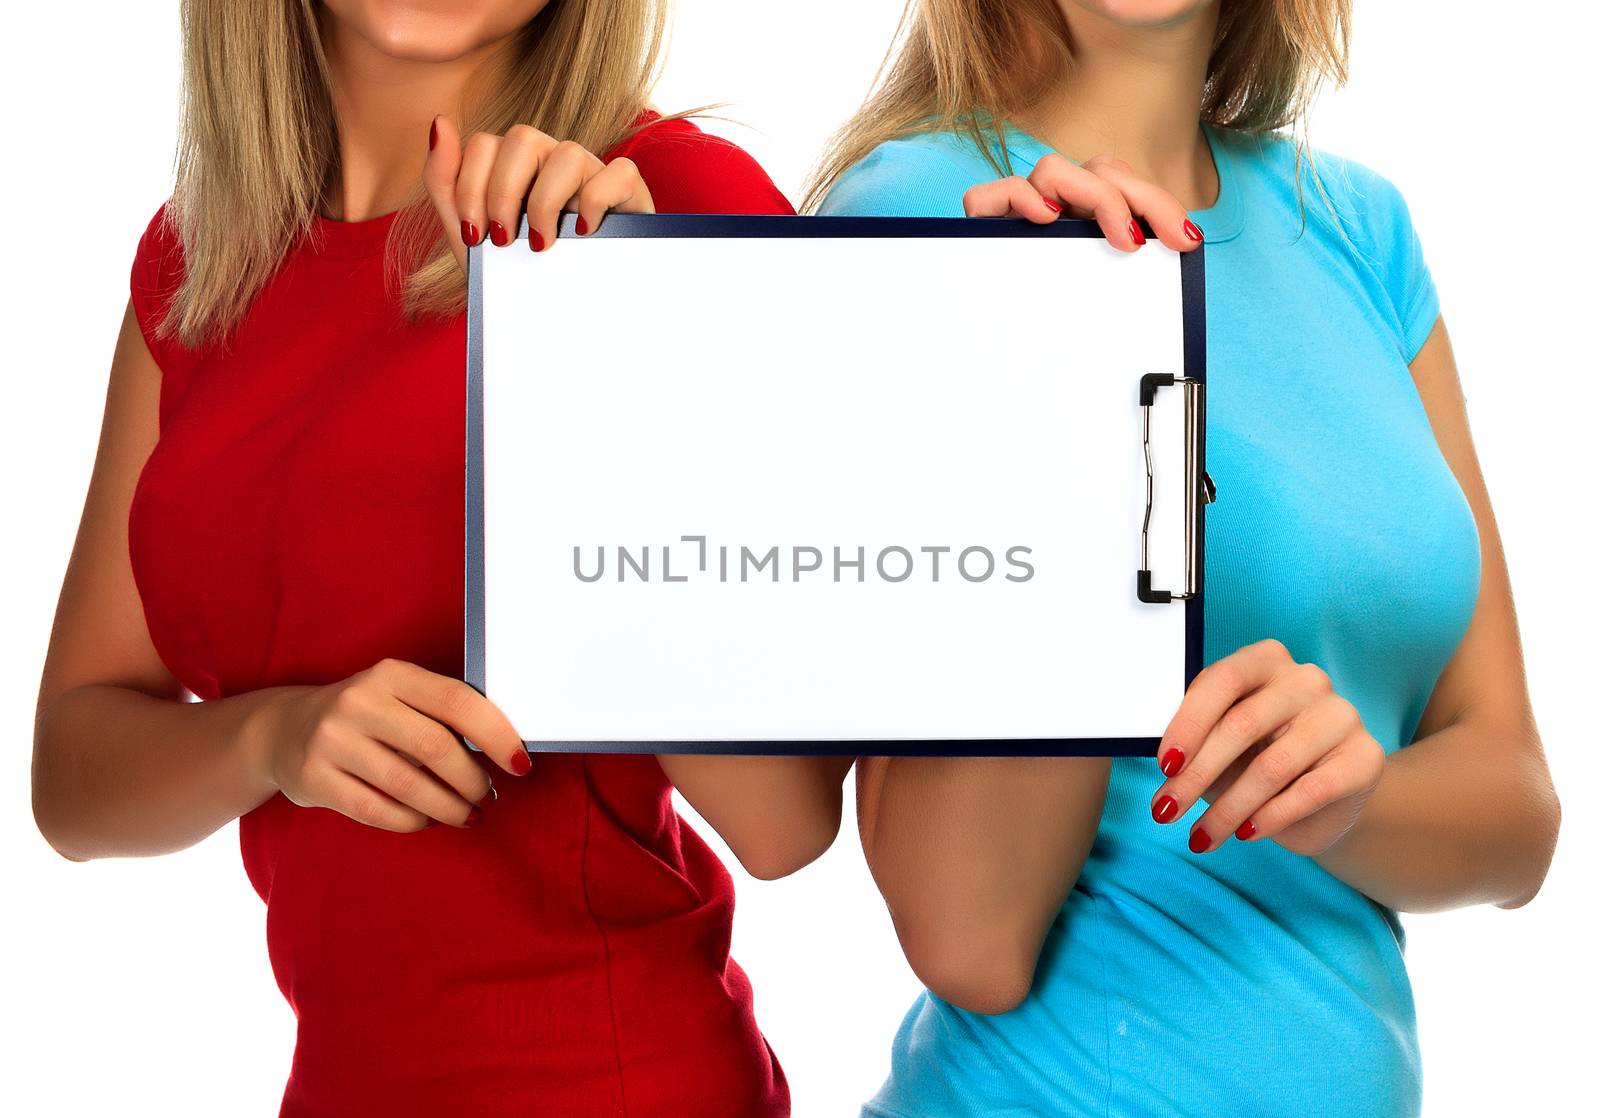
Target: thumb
<point>439,179</point>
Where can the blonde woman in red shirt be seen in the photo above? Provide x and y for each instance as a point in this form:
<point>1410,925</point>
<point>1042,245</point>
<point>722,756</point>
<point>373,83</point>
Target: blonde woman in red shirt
<point>275,525</point>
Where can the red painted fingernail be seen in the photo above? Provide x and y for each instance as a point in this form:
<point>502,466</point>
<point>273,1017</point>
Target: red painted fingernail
<point>535,241</point>
<point>583,226</point>
<point>521,763</point>
<point>469,233</point>
<point>1052,205</point>
<point>433,134</point>
<point>491,795</point>
<point>474,817</point>
<point>497,233</point>
<point>1165,809</point>
<point>1171,761</point>
<point>1199,841</point>
<point>1246,831</point>
<point>1135,232</point>
<point>1192,231</point>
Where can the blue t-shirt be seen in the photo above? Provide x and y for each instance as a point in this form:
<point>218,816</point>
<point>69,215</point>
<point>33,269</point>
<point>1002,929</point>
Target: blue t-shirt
<point>1248,980</point>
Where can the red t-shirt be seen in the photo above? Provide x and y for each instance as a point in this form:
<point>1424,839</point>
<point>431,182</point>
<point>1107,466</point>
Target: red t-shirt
<point>302,518</point>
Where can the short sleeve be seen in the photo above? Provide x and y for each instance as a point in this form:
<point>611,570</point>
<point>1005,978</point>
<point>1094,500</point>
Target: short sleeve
<point>691,171</point>
<point>1383,229</point>
<point>157,271</point>
<point>914,177</point>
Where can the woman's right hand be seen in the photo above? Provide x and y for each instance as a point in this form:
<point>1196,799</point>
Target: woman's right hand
<point>1103,189</point>
<point>384,747</point>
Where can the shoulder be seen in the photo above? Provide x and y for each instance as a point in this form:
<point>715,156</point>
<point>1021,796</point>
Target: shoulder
<point>1367,206</point>
<point>1347,198</point>
<point>1359,215</point>
<point>156,274</point>
<point>924,175</point>
<point>691,171</point>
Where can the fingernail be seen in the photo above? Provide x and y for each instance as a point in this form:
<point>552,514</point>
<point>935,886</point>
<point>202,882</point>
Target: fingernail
<point>497,233</point>
<point>1199,841</point>
<point>433,134</point>
<point>1192,231</point>
<point>535,241</point>
<point>469,233</point>
<point>1171,761</point>
<point>1246,831</point>
<point>1052,205</point>
<point>583,226</point>
<point>1165,809</point>
<point>491,795</point>
<point>1135,232</point>
<point>474,817</point>
<point>521,763</point>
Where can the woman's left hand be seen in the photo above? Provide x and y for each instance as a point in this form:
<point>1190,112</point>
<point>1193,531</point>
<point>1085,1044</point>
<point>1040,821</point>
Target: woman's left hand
<point>482,189</point>
<point>1272,748</point>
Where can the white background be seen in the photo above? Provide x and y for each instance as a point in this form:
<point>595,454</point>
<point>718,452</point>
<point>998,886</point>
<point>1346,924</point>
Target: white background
<point>143,987</point>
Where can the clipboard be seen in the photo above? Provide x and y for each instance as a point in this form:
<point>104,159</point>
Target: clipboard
<point>835,485</point>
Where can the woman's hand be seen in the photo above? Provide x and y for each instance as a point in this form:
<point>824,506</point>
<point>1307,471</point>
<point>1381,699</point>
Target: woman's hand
<point>1275,752</point>
<point>384,747</point>
<point>485,189</point>
<point>1103,189</point>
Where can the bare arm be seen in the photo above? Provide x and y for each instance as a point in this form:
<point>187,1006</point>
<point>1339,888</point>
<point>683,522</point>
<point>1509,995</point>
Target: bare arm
<point>1467,813</point>
<point>777,814</point>
<point>974,857</point>
<point>122,765</point>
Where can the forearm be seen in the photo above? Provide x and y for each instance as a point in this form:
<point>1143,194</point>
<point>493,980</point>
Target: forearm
<point>118,772</point>
<point>1463,816</point>
<point>776,814</point>
<point>974,857</point>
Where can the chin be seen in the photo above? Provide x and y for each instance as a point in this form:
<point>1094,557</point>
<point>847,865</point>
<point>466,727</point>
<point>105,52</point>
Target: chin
<point>1141,13</point>
<point>431,30</point>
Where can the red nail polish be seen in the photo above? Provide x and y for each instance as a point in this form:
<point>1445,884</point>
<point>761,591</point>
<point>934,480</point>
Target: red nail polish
<point>433,134</point>
<point>497,234</point>
<point>474,817</point>
<point>535,241</point>
<point>1171,761</point>
<point>1165,809</point>
<point>1246,831</point>
<point>469,233</point>
<point>1135,232</point>
<point>583,226</point>
<point>1052,205</point>
<point>521,763</point>
<point>1192,231</point>
<point>1199,841</point>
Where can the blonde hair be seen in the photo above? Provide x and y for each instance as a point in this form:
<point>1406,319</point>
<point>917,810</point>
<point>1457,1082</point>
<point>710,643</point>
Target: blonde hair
<point>970,66</point>
<point>259,150</point>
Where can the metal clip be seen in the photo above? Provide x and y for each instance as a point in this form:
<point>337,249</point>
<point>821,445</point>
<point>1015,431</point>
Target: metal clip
<point>1198,489</point>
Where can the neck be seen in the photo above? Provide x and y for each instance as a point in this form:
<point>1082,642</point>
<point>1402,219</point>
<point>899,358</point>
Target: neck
<point>384,107</point>
<point>1134,93</point>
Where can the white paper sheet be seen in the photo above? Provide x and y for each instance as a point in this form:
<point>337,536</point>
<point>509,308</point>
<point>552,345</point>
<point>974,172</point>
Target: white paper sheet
<point>693,404</point>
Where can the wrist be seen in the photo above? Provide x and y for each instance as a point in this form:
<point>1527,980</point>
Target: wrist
<point>261,729</point>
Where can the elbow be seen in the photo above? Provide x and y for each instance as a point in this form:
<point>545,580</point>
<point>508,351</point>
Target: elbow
<point>782,850</point>
<point>989,974</point>
<point>1545,829</point>
<point>51,804</point>
<point>47,817</point>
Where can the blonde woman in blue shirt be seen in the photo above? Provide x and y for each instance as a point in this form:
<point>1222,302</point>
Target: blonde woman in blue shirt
<point>1214,932</point>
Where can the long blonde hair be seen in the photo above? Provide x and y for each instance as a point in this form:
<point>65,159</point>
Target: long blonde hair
<point>259,149</point>
<point>969,66</point>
